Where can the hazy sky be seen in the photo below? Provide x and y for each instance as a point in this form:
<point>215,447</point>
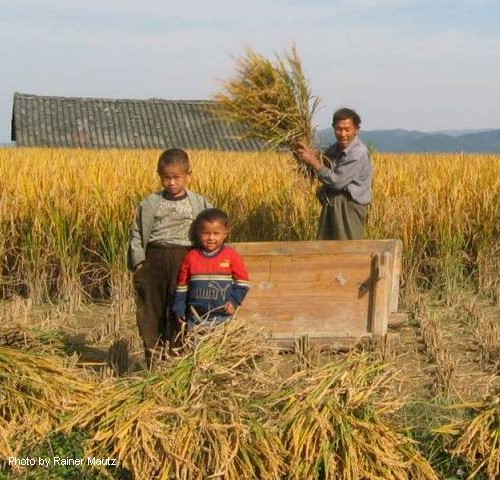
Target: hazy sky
<point>412,64</point>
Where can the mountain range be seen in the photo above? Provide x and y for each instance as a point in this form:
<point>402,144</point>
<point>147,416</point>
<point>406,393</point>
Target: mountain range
<point>398,140</point>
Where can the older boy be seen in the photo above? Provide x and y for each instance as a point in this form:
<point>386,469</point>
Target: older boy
<point>347,179</point>
<point>160,241</point>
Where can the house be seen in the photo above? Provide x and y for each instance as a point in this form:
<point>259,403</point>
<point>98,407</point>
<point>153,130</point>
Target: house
<point>48,121</point>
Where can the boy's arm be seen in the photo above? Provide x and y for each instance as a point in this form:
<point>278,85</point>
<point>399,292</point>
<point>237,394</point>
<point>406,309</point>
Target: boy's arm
<point>180,298</point>
<point>136,251</point>
<point>241,281</point>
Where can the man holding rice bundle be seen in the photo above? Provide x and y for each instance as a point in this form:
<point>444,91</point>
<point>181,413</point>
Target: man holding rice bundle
<point>346,175</point>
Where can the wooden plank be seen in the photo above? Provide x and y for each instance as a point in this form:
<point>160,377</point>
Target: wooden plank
<point>395,274</point>
<point>302,272</point>
<point>312,247</point>
<point>309,320</point>
<point>380,301</point>
<point>312,336</point>
<point>321,344</point>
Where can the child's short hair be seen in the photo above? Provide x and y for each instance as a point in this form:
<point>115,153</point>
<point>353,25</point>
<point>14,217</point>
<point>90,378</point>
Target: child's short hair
<point>209,215</point>
<point>173,156</point>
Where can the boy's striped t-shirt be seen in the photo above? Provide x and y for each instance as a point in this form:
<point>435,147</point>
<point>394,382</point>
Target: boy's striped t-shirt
<point>206,282</point>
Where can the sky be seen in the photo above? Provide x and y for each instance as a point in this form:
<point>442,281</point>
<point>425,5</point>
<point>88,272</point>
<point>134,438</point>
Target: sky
<point>413,64</point>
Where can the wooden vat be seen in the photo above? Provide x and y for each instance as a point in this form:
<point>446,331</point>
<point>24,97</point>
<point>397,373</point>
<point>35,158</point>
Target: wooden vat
<point>335,293</point>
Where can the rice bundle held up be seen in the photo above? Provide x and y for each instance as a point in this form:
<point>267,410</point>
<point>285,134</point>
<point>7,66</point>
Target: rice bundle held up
<point>272,100</point>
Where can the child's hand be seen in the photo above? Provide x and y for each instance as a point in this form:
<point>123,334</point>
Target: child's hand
<point>181,321</point>
<point>138,267</point>
<point>229,308</point>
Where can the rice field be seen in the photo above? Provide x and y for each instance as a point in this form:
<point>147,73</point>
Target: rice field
<point>410,411</point>
<point>67,214</point>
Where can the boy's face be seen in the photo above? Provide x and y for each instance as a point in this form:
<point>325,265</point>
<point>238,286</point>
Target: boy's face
<point>174,179</point>
<point>212,235</point>
<point>345,131</point>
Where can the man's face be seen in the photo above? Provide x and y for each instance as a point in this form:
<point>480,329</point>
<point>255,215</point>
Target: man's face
<point>345,131</point>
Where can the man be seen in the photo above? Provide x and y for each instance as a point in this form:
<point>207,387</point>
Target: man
<point>346,177</point>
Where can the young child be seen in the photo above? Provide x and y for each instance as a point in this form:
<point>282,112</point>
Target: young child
<point>213,279</point>
<point>160,241</point>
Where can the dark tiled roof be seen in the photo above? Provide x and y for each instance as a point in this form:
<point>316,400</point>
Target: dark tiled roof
<point>115,123</point>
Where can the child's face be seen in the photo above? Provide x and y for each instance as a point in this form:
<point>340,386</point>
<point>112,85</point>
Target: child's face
<point>212,235</point>
<point>174,179</point>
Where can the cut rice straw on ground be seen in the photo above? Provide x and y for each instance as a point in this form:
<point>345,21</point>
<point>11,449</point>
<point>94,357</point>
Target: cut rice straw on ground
<point>35,339</point>
<point>332,425</point>
<point>214,411</point>
<point>198,417</point>
<point>477,439</point>
<point>35,391</point>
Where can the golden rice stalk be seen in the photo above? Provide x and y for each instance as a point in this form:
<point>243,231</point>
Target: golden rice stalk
<point>34,393</point>
<point>452,213</point>
<point>272,100</point>
<point>477,439</point>
<point>439,353</point>
<point>332,426</point>
<point>200,417</point>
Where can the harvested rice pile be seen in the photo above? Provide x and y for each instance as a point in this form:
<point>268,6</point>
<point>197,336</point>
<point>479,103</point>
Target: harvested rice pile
<point>201,415</point>
<point>221,409</point>
<point>35,392</point>
<point>476,439</point>
<point>35,339</point>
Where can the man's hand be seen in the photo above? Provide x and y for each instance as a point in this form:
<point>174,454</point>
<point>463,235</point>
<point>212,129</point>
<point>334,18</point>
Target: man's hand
<point>309,156</point>
<point>229,308</point>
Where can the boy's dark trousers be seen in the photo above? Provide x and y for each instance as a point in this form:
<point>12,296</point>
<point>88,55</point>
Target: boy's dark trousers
<point>154,285</point>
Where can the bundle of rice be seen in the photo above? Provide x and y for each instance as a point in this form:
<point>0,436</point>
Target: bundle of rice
<point>198,418</point>
<point>35,339</point>
<point>477,438</point>
<point>331,422</point>
<point>35,391</point>
<point>272,100</point>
